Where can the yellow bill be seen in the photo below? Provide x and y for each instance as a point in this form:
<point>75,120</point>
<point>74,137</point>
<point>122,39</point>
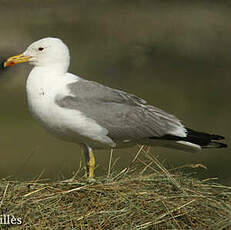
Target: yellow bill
<point>16,60</point>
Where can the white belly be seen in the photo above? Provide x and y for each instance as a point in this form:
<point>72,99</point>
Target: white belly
<point>43,109</point>
<point>67,124</point>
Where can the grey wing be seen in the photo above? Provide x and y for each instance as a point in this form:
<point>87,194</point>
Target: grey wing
<point>125,116</point>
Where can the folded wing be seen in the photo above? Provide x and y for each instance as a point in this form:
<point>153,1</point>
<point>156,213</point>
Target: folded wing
<point>125,116</point>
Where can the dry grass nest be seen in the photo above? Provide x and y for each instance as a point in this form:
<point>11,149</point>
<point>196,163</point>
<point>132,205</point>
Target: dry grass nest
<point>130,199</point>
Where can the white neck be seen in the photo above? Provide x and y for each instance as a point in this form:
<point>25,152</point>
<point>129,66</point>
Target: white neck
<point>56,69</point>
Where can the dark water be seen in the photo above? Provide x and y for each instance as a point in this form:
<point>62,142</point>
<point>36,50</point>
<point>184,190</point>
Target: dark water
<point>174,54</point>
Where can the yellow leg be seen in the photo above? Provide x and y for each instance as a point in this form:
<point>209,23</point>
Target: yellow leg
<point>90,161</point>
<point>91,164</point>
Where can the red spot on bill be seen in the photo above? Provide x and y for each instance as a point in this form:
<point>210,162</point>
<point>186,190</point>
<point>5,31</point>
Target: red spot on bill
<point>11,63</point>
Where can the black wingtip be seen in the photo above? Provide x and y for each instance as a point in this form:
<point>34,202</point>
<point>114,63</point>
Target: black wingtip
<point>222,145</point>
<point>214,144</point>
<point>217,137</point>
<point>204,135</point>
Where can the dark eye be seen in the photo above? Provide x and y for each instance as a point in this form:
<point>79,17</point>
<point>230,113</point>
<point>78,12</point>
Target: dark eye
<point>40,48</point>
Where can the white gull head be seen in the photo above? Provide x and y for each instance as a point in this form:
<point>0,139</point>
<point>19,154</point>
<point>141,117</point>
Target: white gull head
<point>48,52</point>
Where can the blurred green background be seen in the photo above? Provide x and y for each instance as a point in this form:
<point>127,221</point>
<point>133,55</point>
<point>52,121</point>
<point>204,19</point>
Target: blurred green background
<point>174,54</point>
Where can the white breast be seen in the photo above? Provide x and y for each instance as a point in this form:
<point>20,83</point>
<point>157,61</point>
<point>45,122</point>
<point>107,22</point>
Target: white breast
<point>71,125</point>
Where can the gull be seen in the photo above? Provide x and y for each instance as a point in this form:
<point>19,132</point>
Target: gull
<point>96,116</point>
